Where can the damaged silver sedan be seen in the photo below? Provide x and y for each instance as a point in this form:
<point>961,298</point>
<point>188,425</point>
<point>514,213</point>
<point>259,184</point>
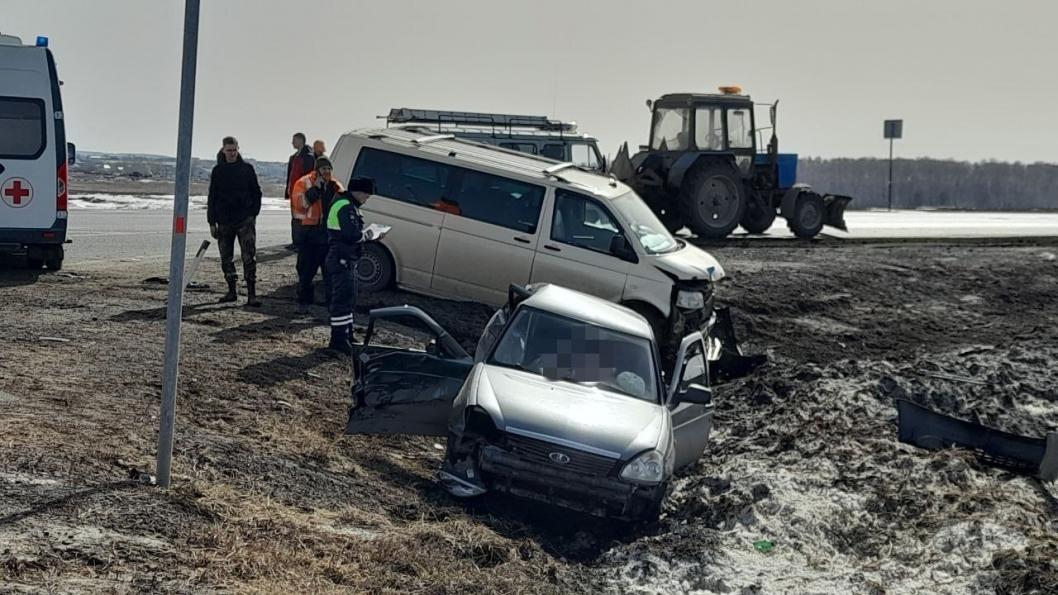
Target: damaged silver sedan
<point>564,402</point>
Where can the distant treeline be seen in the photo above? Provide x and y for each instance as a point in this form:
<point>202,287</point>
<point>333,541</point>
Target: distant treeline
<point>935,183</point>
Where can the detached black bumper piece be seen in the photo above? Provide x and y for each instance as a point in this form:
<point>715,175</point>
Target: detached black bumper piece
<point>928,429</point>
<point>727,361</point>
<point>600,496</point>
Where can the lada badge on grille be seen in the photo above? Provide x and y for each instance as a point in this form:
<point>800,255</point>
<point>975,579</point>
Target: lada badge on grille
<point>558,457</point>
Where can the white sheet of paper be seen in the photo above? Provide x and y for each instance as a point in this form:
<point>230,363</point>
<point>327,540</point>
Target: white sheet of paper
<point>375,231</point>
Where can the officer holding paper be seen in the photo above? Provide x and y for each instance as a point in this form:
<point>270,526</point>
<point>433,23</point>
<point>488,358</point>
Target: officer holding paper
<point>346,235</point>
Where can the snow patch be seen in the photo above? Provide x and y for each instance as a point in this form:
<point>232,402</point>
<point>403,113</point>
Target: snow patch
<point>144,202</point>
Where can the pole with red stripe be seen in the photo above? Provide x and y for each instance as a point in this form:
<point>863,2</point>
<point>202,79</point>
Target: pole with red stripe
<point>174,309</point>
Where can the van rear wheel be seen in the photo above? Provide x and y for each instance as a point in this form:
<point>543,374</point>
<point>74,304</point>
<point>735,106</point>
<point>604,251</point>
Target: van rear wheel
<point>375,270</point>
<point>53,258</point>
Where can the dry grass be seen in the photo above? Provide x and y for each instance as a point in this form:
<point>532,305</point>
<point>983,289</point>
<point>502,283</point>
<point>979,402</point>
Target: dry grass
<point>259,545</point>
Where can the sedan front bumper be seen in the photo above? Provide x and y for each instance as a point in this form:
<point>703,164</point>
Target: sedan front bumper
<point>600,496</point>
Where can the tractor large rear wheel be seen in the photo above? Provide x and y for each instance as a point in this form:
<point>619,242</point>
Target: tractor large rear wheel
<point>712,200</point>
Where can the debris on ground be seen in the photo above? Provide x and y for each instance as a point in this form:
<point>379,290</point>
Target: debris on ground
<point>805,451</point>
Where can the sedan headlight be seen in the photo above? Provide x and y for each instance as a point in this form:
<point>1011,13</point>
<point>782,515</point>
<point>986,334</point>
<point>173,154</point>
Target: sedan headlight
<point>690,300</point>
<point>648,467</point>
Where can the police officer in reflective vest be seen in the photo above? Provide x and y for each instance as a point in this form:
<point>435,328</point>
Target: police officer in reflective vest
<point>345,232</point>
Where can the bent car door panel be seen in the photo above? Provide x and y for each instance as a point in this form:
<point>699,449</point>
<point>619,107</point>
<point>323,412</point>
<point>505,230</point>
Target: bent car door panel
<point>691,422</point>
<point>402,391</point>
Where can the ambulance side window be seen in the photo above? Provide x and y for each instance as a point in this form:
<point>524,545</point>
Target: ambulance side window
<point>23,132</point>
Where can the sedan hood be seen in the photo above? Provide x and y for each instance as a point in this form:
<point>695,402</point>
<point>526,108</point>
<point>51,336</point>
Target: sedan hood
<point>577,416</point>
<point>690,264</point>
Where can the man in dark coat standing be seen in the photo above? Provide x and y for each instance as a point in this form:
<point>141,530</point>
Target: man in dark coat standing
<point>299,164</point>
<point>232,207</point>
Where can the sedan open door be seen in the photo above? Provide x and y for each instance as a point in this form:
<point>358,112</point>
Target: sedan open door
<point>690,401</point>
<point>406,391</point>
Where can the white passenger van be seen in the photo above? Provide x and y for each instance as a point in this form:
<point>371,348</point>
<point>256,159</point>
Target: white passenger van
<point>33,154</point>
<point>471,219</point>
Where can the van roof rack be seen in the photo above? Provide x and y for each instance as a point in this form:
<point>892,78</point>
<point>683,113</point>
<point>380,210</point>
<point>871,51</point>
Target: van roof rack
<point>425,140</point>
<point>554,169</point>
<point>403,115</point>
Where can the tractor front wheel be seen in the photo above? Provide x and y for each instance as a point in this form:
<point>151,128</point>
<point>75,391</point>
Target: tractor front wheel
<point>712,200</point>
<point>758,216</point>
<point>807,218</point>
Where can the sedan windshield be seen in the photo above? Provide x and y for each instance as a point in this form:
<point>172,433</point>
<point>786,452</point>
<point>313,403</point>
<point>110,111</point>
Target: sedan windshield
<point>560,348</point>
<point>644,224</point>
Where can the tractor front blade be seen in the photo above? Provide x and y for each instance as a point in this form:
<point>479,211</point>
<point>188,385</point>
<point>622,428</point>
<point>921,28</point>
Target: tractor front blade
<point>621,167</point>
<point>834,210</point>
<point>726,360</point>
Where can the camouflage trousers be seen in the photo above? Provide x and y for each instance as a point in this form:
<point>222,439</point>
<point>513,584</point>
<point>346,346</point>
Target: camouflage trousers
<point>246,233</point>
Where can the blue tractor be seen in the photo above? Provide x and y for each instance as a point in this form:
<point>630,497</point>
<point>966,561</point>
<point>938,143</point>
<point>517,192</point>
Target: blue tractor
<point>703,170</point>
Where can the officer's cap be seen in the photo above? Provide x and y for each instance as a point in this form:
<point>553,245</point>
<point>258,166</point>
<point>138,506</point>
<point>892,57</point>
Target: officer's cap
<point>361,184</point>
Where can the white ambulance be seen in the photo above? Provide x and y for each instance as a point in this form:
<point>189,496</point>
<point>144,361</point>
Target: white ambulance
<point>33,154</point>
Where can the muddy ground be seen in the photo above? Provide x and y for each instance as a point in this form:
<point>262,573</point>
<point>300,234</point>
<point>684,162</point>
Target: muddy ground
<point>270,496</point>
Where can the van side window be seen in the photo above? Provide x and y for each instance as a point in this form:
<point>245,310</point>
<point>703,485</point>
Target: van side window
<point>22,128</point>
<point>583,222</point>
<point>499,201</point>
<point>523,147</point>
<point>583,154</point>
<point>400,177</point>
<point>553,151</point>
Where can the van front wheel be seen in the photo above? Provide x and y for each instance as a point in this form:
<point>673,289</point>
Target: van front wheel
<point>374,270</point>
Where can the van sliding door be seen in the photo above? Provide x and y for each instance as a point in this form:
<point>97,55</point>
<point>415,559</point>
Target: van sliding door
<point>488,237</point>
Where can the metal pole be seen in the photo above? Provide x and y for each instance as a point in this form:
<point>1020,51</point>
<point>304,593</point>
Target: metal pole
<point>174,310</point>
<point>890,173</point>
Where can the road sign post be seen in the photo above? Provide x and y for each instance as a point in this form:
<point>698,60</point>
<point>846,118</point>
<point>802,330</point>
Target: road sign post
<point>893,129</point>
<point>175,306</point>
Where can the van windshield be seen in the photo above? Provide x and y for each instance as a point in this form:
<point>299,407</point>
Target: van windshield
<point>644,224</point>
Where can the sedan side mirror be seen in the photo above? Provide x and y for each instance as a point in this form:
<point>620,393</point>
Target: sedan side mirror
<point>697,394</point>
<point>620,248</point>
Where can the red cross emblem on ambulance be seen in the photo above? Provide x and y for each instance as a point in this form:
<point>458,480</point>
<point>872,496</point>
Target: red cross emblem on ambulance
<point>16,192</point>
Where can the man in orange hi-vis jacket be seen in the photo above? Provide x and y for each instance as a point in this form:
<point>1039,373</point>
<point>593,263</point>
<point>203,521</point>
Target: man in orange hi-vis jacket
<point>311,197</point>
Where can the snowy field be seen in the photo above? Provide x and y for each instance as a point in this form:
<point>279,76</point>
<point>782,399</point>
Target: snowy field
<point>100,201</point>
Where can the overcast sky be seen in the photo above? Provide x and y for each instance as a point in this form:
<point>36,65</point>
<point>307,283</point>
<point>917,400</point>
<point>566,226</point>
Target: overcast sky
<point>972,79</point>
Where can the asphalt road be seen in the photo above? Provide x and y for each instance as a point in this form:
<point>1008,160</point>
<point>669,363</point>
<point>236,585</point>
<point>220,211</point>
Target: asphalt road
<point>139,235</point>
<point>121,235</point>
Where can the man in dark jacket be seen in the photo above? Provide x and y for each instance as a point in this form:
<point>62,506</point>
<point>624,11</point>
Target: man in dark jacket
<point>231,209</point>
<point>345,233</point>
<point>299,164</point>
